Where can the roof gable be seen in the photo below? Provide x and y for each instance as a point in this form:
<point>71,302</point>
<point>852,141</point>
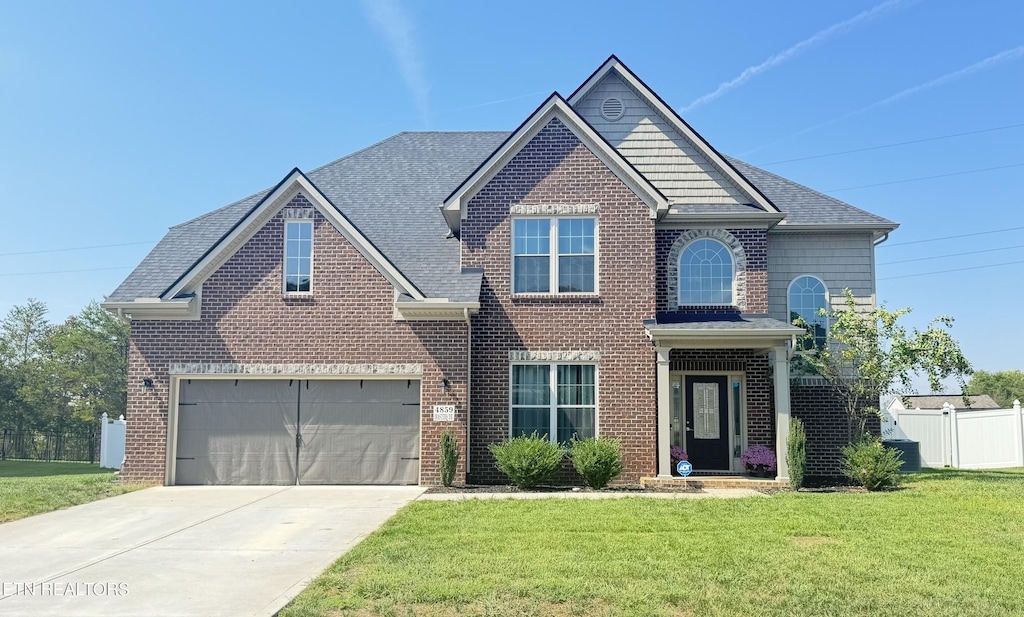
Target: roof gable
<point>555,106</point>
<point>294,183</point>
<point>667,150</point>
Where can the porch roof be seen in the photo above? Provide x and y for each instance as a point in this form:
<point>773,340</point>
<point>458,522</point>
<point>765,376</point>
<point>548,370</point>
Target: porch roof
<point>723,332</point>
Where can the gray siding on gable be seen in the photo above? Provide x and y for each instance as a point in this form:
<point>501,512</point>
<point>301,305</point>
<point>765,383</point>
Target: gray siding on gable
<point>659,152</point>
<point>839,260</point>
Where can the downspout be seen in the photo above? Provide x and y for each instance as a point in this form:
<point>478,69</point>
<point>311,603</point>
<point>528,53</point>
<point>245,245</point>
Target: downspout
<point>792,347</point>
<point>469,376</point>
<point>882,239</point>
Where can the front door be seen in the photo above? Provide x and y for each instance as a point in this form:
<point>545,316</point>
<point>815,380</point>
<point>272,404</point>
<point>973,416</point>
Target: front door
<point>707,422</point>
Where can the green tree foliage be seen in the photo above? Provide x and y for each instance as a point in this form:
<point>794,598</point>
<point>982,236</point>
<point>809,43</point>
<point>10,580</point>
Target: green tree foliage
<point>61,377</point>
<point>1003,386</point>
<point>870,354</point>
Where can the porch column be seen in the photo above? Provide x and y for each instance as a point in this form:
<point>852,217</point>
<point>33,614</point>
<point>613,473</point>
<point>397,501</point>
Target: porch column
<point>664,413</point>
<point>781,410</point>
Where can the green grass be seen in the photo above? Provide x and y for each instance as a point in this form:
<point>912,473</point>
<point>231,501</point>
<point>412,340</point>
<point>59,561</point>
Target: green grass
<point>948,543</point>
<point>34,487</point>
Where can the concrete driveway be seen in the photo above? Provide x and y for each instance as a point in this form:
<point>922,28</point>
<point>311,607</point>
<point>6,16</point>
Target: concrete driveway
<point>243,550</point>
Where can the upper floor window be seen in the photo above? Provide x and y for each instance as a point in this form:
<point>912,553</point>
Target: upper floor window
<point>807,300</point>
<point>566,265</point>
<point>298,256</point>
<point>706,273</point>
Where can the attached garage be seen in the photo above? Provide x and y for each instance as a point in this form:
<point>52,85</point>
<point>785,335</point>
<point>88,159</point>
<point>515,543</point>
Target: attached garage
<point>297,431</point>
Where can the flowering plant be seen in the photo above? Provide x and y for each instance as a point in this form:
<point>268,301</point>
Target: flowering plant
<point>677,454</point>
<point>758,455</point>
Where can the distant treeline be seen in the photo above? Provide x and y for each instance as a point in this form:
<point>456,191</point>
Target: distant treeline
<point>61,377</point>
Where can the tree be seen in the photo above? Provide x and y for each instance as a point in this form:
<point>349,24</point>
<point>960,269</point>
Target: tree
<point>81,372</point>
<point>869,354</point>
<point>21,335</point>
<point>63,377</point>
<point>1003,386</point>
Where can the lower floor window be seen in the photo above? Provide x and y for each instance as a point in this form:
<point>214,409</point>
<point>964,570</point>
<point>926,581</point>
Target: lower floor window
<point>556,400</point>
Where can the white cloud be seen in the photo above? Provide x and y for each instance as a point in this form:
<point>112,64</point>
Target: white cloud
<point>977,67</point>
<point>752,71</point>
<point>393,23</point>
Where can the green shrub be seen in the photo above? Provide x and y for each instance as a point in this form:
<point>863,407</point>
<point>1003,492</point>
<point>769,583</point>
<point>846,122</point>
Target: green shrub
<point>597,460</point>
<point>871,464</point>
<point>449,457</point>
<point>796,453</point>
<point>527,461</point>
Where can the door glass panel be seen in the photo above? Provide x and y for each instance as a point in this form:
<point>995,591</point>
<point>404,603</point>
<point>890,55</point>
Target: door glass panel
<point>677,413</point>
<point>705,411</point>
<point>737,429</point>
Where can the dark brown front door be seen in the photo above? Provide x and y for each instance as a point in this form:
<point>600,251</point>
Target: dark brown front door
<point>707,422</point>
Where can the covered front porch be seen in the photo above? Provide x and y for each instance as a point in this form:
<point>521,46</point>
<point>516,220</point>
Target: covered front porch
<point>723,385</point>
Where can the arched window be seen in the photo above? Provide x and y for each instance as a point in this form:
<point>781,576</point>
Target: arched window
<point>705,273</point>
<point>807,299</point>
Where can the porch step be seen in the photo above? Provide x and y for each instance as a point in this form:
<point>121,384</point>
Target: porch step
<point>712,482</point>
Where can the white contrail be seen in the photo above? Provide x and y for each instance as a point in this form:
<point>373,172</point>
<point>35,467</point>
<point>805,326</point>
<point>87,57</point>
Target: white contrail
<point>977,67</point>
<point>794,51</point>
<point>394,24</point>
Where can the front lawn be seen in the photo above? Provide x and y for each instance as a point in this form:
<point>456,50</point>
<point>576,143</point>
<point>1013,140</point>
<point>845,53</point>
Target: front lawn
<point>949,543</point>
<point>34,487</point>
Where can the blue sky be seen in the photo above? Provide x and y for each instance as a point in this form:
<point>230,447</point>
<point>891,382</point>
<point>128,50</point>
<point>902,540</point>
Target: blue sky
<point>118,120</point>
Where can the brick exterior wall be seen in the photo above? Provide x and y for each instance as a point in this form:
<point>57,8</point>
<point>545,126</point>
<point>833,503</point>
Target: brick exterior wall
<point>824,417</point>
<point>556,168</point>
<point>755,246</point>
<point>247,319</point>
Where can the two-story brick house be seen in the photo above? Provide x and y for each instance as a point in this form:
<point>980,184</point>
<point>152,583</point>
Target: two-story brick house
<point>601,270</point>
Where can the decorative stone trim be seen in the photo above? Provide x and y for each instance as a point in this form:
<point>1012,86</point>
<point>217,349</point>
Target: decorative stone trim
<point>555,209</point>
<point>739,258</point>
<point>298,213</point>
<point>554,356</point>
<point>198,368</point>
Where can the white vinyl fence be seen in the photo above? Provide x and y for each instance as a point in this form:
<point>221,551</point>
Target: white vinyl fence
<point>963,438</point>
<point>112,442</point>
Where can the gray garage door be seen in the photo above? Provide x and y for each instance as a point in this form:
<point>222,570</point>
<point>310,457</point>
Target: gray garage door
<point>298,431</point>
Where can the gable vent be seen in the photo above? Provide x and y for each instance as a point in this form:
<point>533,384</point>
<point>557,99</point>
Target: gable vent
<point>612,109</point>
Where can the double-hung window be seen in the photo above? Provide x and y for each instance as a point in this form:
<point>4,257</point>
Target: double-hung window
<point>556,400</point>
<point>554,255</point>
<point>298,256</point>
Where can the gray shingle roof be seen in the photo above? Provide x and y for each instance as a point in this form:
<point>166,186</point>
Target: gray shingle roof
<point>805,206</point>
<point>744,323</point>
<point>391,192</point>
<point>929,401</point>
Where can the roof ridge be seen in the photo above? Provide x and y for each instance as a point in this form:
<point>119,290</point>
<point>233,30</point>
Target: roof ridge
<point>805,187</point>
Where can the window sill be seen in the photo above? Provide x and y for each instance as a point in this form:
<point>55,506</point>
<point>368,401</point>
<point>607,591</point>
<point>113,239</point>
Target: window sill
<point>564,297</point>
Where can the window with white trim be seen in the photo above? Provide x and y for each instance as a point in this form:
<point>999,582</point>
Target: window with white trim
<point>808,299</point>
<point>706,274</point>
<point>298,256</point>
<point>557,400</point>
<point>567,265</point>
